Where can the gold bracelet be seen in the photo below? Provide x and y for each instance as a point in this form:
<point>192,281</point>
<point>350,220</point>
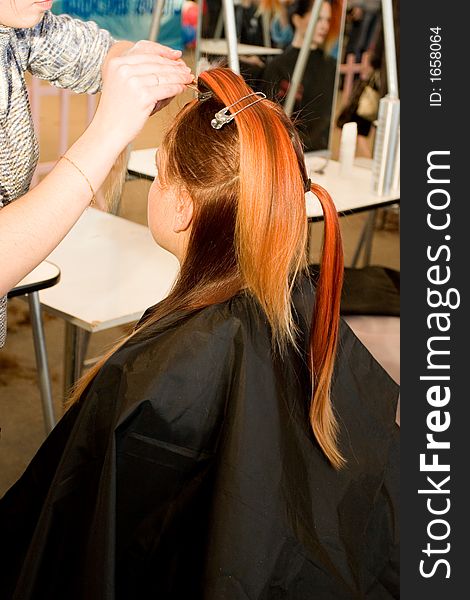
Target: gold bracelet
<point>93,196</point>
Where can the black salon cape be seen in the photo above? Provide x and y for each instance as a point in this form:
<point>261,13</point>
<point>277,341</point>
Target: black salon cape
<point>189,472</point>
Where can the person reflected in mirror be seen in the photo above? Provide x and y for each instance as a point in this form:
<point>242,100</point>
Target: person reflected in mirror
<point>314,97</point>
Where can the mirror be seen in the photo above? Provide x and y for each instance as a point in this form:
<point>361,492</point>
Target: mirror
<point>313,104</point>
<point>270,34</point>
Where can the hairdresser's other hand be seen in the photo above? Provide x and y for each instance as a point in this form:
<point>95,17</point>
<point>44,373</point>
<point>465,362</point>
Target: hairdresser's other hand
<point>134,84</point>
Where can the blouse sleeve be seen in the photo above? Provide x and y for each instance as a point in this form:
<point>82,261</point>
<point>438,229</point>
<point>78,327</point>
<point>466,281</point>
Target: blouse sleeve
<point>65,51</point>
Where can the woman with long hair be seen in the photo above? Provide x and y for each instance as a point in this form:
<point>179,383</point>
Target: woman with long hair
<point>81,57</point>
<point>229,447</point>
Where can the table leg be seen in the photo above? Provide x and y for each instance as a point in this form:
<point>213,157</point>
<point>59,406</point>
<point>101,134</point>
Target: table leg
<point>41,361</point>
<point>197,49</point>
<point>369,237</point>
<point>157,12</point>
<point>231,35</point>
<point>365,241</point>
<point>219,25</point>
<point>76,343</point>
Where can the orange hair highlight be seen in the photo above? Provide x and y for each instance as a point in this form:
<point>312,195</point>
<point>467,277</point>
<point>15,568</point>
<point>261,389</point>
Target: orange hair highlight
<point>271,227</point>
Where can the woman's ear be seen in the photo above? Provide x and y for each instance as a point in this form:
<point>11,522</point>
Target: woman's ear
<point>184,208</point>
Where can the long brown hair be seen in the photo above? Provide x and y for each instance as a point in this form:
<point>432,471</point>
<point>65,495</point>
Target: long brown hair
<point>247,181</point>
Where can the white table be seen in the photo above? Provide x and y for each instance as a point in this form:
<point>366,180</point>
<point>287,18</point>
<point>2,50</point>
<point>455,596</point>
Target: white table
<point>111,271</point>
<point>43,276</point>
<point>219,47</point>
<point>350,195</point>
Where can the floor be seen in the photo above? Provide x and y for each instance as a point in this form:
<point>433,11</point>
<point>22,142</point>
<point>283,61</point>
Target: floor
<point>22,429</point>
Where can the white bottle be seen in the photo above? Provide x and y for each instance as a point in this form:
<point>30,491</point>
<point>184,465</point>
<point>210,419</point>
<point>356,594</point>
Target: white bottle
<point>347,149</point>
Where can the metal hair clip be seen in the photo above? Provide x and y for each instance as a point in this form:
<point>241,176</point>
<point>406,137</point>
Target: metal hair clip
<point>223,117</point>
<point>204,95</point>
<point>200,95</point>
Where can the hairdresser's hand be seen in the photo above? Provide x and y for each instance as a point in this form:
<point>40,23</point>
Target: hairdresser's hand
<point>134,84</point>
<point>142,47</point>
<point>147,47</point>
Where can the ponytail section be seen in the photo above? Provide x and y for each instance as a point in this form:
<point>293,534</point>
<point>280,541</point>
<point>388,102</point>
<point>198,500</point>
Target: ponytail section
<point>324,331</point>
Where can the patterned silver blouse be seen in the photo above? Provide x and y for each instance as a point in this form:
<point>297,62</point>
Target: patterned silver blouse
<point>65,51</point>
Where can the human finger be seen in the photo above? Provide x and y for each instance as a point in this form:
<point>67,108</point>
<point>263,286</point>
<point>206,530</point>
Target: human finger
<point>154,84</point>
<point>142,57</point>
<point>161,71</point>
<point>148,47</point>
<point>165,78</point>
<point>167,91</point>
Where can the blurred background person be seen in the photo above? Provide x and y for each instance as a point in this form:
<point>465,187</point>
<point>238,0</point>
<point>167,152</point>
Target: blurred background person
<point>314,98</point>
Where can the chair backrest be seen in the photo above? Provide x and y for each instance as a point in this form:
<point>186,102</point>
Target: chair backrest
<point>350,69</point>
<point>128,19</point>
